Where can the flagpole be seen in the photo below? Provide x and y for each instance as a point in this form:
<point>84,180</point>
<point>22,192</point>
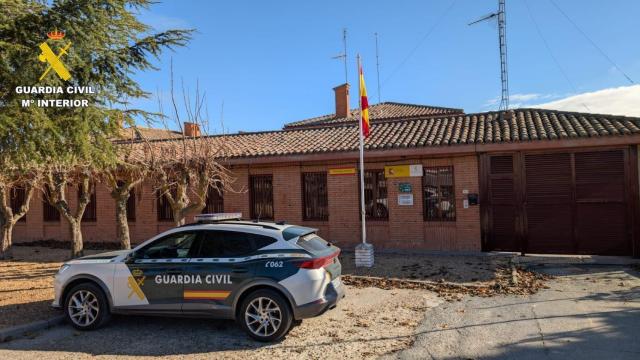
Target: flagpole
<point>362,209</point>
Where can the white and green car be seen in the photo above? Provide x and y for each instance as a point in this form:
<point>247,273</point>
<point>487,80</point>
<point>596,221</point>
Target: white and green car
<point>265,275</point>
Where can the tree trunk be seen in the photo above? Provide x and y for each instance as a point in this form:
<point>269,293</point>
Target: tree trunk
<point>7,231</point>
<point>77,247</point>
<point>122,223</point>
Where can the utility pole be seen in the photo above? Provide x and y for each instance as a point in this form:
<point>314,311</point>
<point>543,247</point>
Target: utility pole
<point>502,41</point>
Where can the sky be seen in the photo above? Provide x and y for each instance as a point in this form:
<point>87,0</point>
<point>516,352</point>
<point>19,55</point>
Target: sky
<point>262,64</point>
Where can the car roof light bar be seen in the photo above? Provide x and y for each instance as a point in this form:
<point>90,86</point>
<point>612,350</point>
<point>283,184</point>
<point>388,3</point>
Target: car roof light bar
<point>218,217</point>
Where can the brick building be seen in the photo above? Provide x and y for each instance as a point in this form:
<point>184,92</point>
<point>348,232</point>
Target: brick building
<point>527,180</point>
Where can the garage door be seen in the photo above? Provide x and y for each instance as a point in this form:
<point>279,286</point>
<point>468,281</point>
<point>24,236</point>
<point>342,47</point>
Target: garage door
<point>564,203</point>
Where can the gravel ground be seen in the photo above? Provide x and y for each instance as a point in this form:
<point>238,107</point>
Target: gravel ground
<point>26,284</point>
<point>461,269</point>
<point>368,323</point>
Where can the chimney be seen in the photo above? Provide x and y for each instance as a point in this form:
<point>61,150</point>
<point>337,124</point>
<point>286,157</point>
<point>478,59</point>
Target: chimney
<point>191,129</point>
<point>342,100</point>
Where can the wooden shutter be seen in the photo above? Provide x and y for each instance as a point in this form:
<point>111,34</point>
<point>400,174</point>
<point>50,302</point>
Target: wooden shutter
<point>502,207</point>
<point>315,200</point>
<point>601,222</point>
<point>215,201</point>
<point>49,212</point>
<point>17,199</point>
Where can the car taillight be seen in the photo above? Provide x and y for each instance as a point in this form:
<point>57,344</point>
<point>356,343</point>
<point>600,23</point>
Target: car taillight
<point>319,262</point>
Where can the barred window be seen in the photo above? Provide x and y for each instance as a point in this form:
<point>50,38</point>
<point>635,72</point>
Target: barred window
<point>261,196</point>
<point>215,201</point>
<point>315,201</point>
<point>90,212</point>
<point>49,212</point>
<point>17,196</point>
<point>163,208</point>
<point>375,195</point>
<point>439,194</point>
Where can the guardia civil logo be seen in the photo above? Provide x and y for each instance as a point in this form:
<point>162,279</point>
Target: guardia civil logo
<point>52,59</point>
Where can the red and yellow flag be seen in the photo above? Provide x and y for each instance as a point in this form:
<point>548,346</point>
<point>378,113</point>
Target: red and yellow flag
<point>364,106</point>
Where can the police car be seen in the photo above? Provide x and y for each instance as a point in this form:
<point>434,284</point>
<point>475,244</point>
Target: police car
<point>264,275</point>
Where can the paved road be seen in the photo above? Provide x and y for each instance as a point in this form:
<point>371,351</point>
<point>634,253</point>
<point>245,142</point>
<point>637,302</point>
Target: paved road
<point>589,312</point>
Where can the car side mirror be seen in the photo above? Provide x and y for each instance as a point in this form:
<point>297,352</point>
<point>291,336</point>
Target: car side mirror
<point>131,257</point>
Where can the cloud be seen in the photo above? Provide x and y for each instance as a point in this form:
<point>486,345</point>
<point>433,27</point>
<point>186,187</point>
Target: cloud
<point>518,100</point>
<point>624,100</point>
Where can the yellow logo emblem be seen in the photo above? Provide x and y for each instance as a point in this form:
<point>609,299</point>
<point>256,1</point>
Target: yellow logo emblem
<point>53,59</point>
<point>134,282</point>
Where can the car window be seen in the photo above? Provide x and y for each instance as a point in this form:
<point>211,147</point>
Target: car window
<point>172,246</point>
<point>231,244</point>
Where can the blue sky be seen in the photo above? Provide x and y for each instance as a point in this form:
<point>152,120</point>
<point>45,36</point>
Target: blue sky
<point>270,61</point>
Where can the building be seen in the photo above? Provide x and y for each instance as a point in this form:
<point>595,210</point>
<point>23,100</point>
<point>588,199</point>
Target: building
<point>526,180</point>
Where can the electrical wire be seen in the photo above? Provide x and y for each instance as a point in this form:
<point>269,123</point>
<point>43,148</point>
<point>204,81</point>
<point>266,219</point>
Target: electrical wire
<point>555,60</point>
<point>591,41</point>
<point>435,25</point>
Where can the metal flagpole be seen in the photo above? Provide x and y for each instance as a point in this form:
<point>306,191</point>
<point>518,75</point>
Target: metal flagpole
<point>362,210</point>
<point>364,251</point>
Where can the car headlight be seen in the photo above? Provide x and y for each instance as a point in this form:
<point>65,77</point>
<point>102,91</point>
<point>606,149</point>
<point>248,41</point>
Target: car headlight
<point>63,268</point>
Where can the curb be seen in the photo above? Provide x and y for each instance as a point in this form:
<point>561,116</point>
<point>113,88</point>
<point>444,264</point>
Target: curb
<point>19,331</point>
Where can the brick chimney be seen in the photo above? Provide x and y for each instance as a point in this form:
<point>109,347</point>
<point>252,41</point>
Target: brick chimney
<point>342,100</point>
<point>191,129</point>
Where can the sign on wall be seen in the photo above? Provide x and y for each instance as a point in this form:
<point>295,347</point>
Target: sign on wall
<point>404,187</point>
<point>396,171</point>
<point>405,199</point>
<point>342,171</point>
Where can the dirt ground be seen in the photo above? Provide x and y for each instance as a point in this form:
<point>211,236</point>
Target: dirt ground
<point>26,285</point>
<point>460,269</point>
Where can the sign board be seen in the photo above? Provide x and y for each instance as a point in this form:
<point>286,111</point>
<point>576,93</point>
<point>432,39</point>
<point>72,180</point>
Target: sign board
<point>405,199</point>
<point>342,171</point>
<point>404,187</point>
<point>396,171</point>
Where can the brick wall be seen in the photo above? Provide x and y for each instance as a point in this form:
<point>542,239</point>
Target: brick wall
<point>405,228</point>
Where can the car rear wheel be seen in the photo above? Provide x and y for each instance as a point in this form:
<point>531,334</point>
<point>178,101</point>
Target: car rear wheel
<point>86,307</point>
<point>265,316</point>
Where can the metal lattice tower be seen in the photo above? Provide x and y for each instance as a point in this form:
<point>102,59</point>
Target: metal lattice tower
<point>502,40</point>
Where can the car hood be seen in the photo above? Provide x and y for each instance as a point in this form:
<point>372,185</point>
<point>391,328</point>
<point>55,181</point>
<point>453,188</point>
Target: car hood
<point>105,255</point>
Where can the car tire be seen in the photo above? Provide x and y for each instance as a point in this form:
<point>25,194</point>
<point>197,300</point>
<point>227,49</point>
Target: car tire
<point>271,323</point>
<point>86,307</point>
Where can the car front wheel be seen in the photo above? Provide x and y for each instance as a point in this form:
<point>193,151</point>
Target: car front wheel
<point>265,316</point>
<point>86,307</point>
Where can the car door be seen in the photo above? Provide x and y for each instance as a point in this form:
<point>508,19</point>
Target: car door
<point>153,279</point>
<point>223,265</point>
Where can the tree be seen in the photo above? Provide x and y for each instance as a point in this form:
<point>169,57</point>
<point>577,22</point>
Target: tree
<point>8,218</point>
<point>106,45</point>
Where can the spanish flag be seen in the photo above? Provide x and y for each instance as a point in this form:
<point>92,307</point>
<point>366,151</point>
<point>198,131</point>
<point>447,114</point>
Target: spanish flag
<point>364,106</point>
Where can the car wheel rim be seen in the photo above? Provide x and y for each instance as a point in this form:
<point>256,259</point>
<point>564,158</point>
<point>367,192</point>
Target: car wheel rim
<point>83,308</point>
<point>263,316</point>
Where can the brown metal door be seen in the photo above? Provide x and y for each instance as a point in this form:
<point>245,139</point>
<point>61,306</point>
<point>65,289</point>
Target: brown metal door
<point>548,203</point>
<point>601,209</point>
<point>502,207</point>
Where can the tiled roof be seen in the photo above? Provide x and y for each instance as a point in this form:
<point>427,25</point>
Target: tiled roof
<point>522,125</point>
<point>142,133</point>
<point>382,111</point>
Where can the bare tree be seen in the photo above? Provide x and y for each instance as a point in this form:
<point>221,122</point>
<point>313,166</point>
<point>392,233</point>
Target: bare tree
<point>57,179</point>
<point>184,169</point>
<point>8,217</point>
<point>121,180</point>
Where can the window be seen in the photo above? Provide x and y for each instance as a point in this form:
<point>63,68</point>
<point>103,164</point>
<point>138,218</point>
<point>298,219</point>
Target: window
<point>261,196</point>
<point>131,204</point>
<point>164,208</point>
<point>232,244</point>
<point>314,196</point>
<point>49,212</point>
<point>90,212</point>
<point>174,246</point>
<point>375,195</point>
<point>439,194</point>
<point>17,196</point>
<point>215,201</point>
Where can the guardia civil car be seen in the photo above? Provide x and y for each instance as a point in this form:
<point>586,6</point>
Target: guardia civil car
<point>264,275</point>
